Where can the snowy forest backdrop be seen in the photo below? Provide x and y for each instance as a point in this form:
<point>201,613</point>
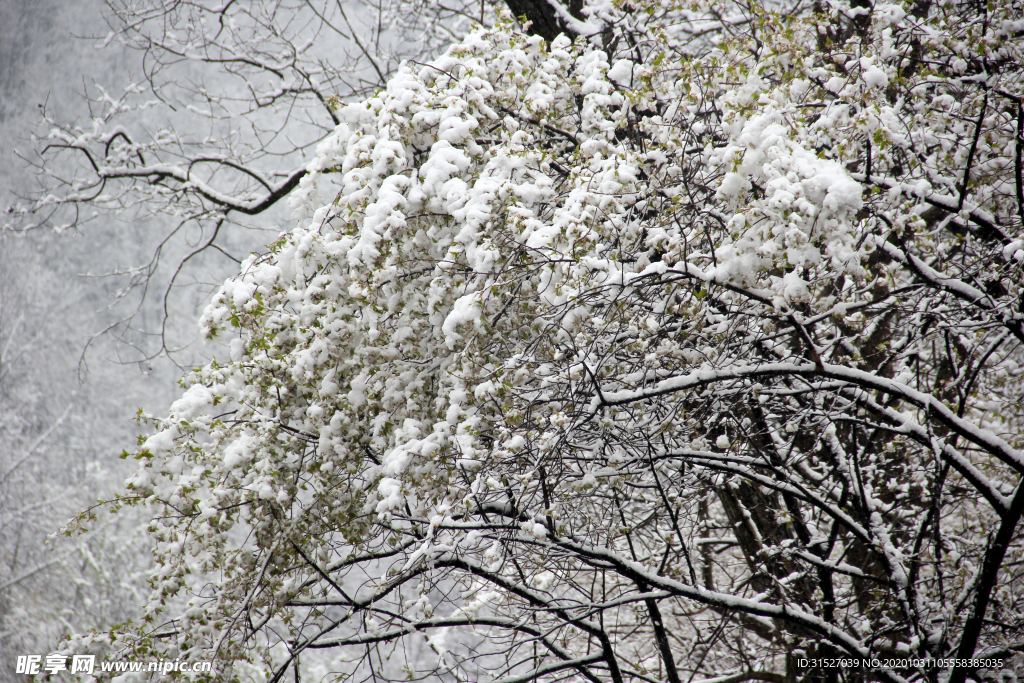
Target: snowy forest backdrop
<point>62,421</point>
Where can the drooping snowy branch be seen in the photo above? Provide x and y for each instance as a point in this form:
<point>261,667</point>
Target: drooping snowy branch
<point>654,354</point>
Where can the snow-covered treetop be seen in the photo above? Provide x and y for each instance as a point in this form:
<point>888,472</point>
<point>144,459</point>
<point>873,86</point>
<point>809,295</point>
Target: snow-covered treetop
<point>583,351</point>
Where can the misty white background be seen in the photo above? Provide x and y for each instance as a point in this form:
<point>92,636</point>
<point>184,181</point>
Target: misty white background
<point>67,413</point>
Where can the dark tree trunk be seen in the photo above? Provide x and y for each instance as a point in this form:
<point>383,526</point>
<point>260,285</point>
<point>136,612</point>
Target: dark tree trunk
<point>545,20</point>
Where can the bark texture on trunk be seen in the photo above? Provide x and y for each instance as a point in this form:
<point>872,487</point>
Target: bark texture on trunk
<point>545,20</point>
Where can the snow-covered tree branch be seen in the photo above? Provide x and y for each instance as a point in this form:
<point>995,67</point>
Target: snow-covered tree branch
<point>216,130</point>
<point>687,347</point>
